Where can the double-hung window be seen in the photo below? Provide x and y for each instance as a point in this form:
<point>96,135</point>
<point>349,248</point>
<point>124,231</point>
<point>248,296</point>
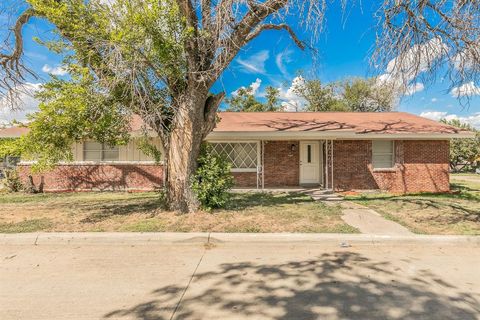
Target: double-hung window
<point>242,155</point>
<point>96,151</point>
<point>383,155</point>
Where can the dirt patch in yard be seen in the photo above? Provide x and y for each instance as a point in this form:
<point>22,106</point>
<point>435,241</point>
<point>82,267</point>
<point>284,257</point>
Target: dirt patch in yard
<point>142,212</point>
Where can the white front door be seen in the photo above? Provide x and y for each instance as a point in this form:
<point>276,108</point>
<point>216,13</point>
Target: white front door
<point>309,162</point>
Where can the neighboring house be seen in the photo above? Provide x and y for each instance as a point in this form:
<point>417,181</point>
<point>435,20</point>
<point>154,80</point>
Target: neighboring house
<point>394,151</point>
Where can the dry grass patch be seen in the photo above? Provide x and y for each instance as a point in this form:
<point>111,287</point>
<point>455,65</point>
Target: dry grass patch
<point>453,213</point>
<point>142,212</point>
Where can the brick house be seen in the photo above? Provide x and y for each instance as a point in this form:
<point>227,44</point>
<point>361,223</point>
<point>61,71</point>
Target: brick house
<point>394,151</point>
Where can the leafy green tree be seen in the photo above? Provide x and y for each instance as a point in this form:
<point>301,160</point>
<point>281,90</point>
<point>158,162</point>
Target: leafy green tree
<point>319,97</point>
<point>464,153</point>
<point>356,94</point>
<point>71,110</point>
<point>272,97</point>
<point>244,100</point>
<point>367,95</point>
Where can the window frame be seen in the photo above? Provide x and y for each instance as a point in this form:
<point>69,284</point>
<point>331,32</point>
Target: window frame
<point>393,162</point>
<point>104,148</point>
<point>258,159</point>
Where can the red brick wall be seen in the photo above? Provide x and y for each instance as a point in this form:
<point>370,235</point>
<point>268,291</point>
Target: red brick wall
<point>351,160</point>
<point>97,177</point>
<point>281,164</point>
<point>245,179</point>
<point>420,166</point>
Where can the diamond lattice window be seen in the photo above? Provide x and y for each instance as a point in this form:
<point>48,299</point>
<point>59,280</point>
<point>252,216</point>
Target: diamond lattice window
<point>242,155</point>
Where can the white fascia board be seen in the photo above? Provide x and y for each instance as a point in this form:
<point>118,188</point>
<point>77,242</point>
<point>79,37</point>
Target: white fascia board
<point>348,135</point>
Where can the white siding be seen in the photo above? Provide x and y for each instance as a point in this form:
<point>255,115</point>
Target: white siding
<point>127,153</point>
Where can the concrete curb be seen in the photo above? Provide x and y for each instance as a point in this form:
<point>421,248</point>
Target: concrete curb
<point>114,238</point>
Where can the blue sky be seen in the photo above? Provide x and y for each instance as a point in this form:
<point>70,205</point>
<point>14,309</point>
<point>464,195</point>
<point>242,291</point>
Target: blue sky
<point>272,59</point>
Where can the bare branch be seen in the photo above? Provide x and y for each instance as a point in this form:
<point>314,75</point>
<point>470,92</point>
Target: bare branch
<point>13,71</point>
<point>271,26</point>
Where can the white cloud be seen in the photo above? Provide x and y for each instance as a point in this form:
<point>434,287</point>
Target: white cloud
<point>28,104</point>
<point>402,70</point>
<point>56,71</point>
<point>434,100</point>
<point>254,86</point>
<point>473,119</point>
<point>433,115</point>
<point>281,59</point>
<point>290,100</point>
<point>466,89</point>
<point>414,88</point>
<point>255,63</point>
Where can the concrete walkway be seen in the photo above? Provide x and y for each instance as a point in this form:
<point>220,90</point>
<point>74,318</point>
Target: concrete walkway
<point>369,221</point>
<point>238,276</point>
<point>364,219</point>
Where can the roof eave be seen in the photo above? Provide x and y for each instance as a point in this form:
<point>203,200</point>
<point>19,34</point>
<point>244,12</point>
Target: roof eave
<point>299,135</point>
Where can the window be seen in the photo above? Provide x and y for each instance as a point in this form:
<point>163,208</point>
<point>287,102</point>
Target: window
<point>382,154</point>
<point>242,155</point>
<point>96,151</point>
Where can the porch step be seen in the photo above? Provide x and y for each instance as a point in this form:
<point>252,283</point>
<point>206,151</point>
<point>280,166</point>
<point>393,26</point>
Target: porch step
<point>323,195</point>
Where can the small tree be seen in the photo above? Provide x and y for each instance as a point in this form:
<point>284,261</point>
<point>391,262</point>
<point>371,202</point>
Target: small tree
<point>367,95</point>
<point>464,153</point>
<point>319,97</point>
<point>244,100</point>
<point>355,94</point>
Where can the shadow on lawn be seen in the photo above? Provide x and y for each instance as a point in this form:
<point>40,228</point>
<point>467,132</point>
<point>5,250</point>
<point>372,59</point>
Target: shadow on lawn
<point>340,285</point>
<point>102,211</point>
<point>241,201</point>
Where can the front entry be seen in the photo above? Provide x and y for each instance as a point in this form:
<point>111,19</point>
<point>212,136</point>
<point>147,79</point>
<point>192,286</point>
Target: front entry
<point>309,162</point>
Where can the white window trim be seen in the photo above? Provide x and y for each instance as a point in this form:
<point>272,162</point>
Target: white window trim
<point>242,141</point>
<point>392,167</point>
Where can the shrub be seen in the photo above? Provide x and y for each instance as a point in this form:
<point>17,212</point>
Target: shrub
<point>12,181</point>
<point>212,180</point>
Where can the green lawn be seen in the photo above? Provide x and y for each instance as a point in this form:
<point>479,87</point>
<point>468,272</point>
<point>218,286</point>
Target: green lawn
<point>142,212</point>
<point>453,213</point>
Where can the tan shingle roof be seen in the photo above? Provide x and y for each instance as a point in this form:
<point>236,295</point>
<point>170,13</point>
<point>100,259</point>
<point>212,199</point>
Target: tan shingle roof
<point>358,122</point>
<point>13,132</point>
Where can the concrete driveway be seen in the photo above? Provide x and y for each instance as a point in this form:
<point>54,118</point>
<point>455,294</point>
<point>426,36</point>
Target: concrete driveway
<point>102,276</point>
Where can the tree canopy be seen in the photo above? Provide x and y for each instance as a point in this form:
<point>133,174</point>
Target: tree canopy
<point>463,152</point>
<point>244,100</point>
<point>354,94</point>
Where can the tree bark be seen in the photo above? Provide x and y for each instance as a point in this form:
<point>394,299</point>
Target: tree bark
<point>185,139</point>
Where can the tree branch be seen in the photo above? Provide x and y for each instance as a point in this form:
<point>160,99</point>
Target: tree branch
<point>12,71</point>
<point>188,12</point>
<point>283,26</point>
<point>210,112</point>
<point>238,37</point>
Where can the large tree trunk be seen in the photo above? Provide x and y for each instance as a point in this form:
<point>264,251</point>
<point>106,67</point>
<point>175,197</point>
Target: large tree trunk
<point>185,139</point>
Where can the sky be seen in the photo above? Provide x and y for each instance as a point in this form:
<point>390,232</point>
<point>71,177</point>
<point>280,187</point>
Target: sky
<point>272,59</point>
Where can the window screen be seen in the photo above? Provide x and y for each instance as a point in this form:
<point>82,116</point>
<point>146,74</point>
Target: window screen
<point>96,151</point>
<point>242,155</point>
<point>382,154</point>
